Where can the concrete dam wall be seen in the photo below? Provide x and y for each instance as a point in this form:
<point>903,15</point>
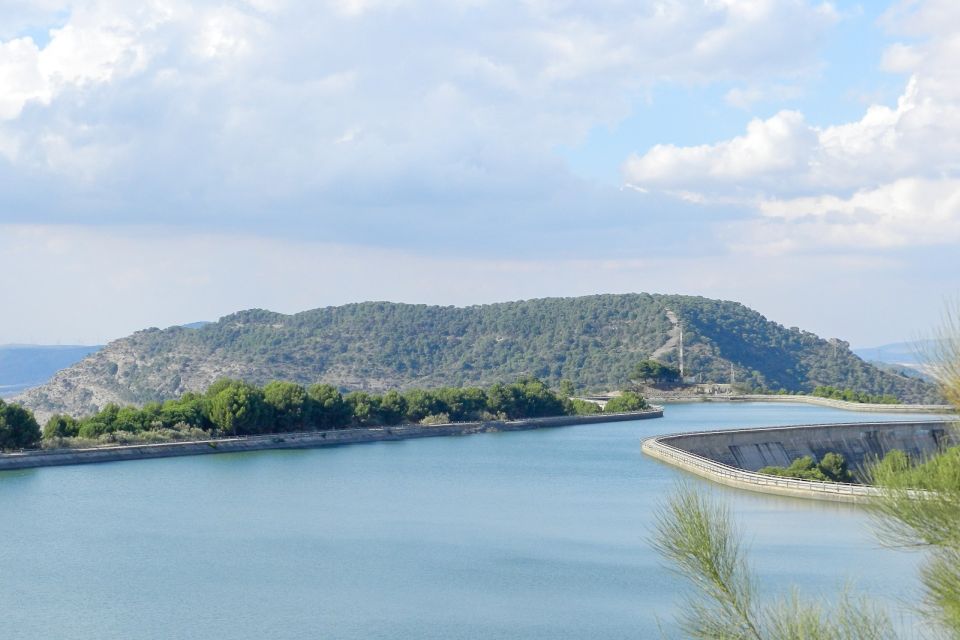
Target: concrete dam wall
<point>753,449</point>
<point>733,457</point>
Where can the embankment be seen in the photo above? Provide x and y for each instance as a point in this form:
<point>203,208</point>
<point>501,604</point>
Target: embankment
<point>299,440</point>
<point>732,457</point>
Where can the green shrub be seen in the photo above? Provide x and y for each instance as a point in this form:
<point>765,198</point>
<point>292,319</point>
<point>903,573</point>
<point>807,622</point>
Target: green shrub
<point>833,468</point>
<point>626,401</point>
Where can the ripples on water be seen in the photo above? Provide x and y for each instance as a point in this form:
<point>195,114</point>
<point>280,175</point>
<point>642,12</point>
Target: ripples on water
<point>537,534</point>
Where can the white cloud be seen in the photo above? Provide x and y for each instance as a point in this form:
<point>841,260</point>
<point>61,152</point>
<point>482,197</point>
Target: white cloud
<point>770,149</point>
<point>888,179</point>
<point>107,40</point>
<point>901,58</point>
<point>173,79</point>
<point>905,212</point>
<point>919,136</point>
<point>20,77</point>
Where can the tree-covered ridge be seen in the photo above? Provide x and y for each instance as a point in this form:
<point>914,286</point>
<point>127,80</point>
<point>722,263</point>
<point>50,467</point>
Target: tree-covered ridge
<point>593,341</point>
<point>769,356</point>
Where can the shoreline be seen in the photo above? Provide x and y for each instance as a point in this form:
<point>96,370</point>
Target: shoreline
<point>297,440</point>
<point>814,400</point>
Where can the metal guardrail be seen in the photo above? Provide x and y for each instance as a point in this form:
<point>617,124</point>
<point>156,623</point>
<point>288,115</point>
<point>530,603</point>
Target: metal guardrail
<point>658,449</point>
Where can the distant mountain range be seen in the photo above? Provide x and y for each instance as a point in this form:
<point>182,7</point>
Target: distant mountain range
<point>903,353</point>
<point>24,366</point>
<point>907,358</point>
<point>593,341</point>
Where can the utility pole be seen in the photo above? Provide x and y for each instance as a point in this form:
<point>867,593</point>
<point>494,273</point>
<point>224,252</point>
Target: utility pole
<point>733,375</point>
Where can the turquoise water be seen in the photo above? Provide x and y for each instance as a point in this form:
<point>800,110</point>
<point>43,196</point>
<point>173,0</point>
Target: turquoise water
<point>536,534</point>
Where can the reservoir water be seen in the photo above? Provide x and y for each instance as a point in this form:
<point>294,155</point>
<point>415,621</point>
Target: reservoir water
<point>535,534</point>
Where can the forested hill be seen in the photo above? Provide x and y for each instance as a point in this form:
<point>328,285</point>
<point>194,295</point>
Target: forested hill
<point>593,341</point>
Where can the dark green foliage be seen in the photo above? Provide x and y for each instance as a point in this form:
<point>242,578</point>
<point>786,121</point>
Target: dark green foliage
<point>392,408</point>
<point>526,398</point>
<point>237,408</point>
<point>190,409</point>
<point>363,407</point>
<point>422,403</point>
<point>60,426</point>
<point>328,409</point>
<point>232,407</point>
<point>462,404</point>
<point>289,405</point>
<point>654,373</point>
<point>626,401</point>
<point>850,395</point>
<point>103,422</point>
<point>584,407</point>
<point>832,468</point>
<point>803,468</point>
<point>767,355</point>
<point>18,427</point>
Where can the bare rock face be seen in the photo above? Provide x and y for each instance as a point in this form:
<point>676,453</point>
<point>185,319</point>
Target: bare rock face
<point>124,372</point>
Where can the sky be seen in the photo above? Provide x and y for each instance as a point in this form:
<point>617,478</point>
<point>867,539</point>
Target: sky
<point>168,161</point>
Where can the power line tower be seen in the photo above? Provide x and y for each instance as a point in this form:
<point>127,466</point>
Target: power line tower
<point>681,351</point>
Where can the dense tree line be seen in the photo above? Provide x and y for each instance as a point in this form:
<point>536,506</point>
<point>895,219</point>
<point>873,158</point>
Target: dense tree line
<point>235,407</point>
<point>854,396</point>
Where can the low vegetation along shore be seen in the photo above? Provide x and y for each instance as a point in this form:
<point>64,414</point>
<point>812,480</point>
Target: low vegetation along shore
<point>300,440</point>
<point>833,467</point>
<point>236,408</point>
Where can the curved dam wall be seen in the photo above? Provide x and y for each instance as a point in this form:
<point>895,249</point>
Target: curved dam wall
<point>299,440</point>
<point>733,457</point>
<point>753,449</point>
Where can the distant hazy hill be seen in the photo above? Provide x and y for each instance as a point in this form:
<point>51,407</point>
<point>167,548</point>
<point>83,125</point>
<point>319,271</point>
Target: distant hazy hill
<point>593,341</point>
<point>903,353</point>
<point>24,366</point>
<point>910,358</point>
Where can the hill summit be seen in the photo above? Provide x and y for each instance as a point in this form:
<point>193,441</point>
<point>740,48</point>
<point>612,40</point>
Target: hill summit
<point>593,341</point>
